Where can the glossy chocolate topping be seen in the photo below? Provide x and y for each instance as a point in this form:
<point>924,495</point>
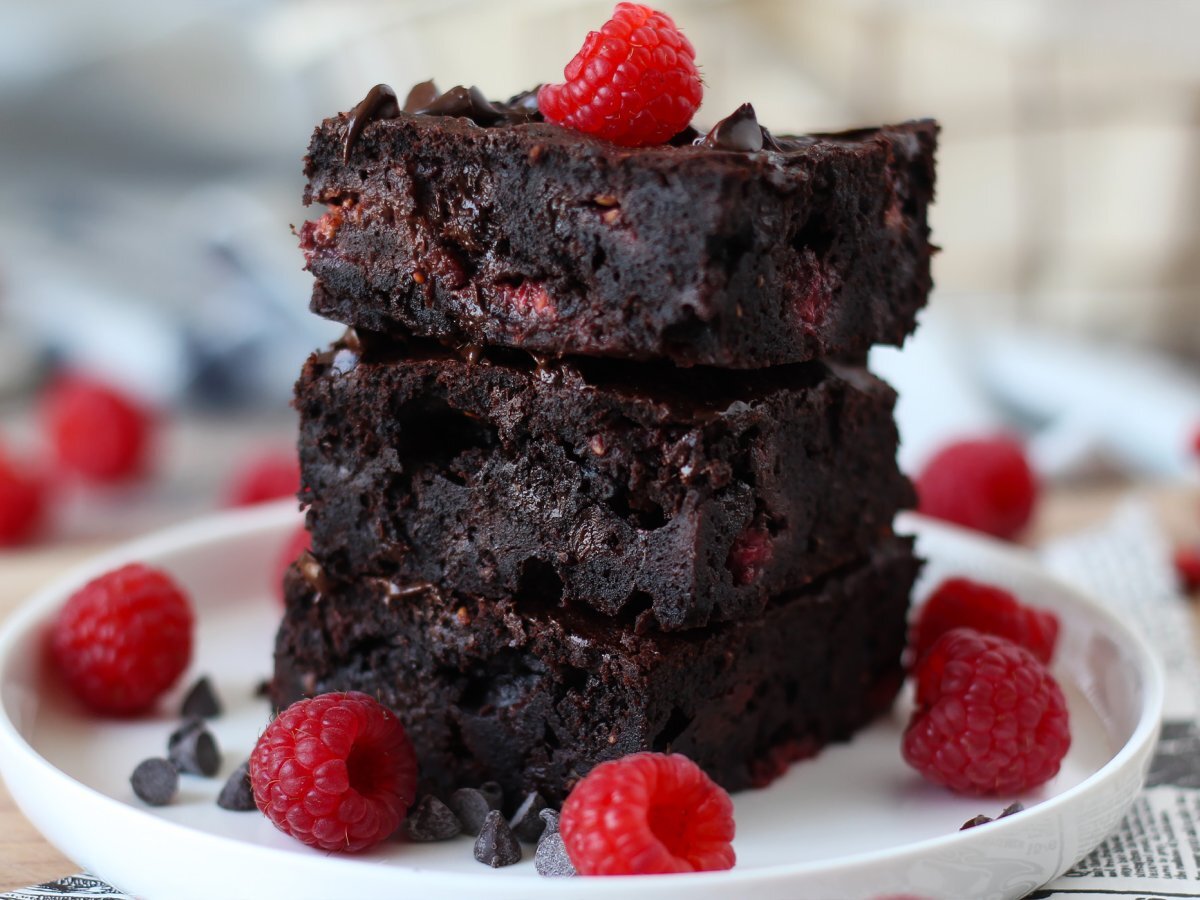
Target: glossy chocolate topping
<point>425,100</point>
<point>738,132</point>
<point>380,103</point>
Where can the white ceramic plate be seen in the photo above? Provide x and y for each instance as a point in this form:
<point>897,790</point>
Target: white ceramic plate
<point>853,823</point>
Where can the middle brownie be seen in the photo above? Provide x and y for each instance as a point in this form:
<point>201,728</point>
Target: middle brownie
<point>668,497</point>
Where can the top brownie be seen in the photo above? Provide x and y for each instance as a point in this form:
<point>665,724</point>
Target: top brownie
<point>478,223</point>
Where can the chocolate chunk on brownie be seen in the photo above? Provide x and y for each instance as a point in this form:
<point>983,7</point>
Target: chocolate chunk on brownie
<point>532,696</point>
<point>666,496</point>
<point>482,225</point>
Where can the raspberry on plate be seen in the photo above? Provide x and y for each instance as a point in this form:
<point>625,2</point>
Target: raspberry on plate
<point>22,502</point>
<point>271,476</point>
<point>990,718</point>
<point>97,432</point>
<point>634,82</point>
<point>123,639</point>
<point>963,603</point>
<point>335,771</point>
<point>647,814</point>
<point>984,484</point>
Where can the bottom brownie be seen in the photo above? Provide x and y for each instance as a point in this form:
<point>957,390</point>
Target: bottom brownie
<point>534,697</point>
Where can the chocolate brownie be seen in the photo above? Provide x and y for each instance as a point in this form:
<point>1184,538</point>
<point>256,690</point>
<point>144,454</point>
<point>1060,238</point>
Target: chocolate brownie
<point>477,223</point>
<point>680,495</point>
<point>527,694</point>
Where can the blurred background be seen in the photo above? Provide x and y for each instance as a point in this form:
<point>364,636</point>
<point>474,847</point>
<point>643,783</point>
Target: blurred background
<point>150,172</point>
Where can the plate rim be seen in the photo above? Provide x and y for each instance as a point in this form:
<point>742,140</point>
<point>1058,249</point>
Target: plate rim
<point>230,524</point>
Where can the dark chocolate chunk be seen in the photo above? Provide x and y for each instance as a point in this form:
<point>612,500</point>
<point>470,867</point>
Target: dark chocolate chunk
<point>193,750</point>
<point>975,821</point>
<point>420,95</point>
<point>493,793</point>
<point>551,859</point>
<point>496,846</point>
<point>263,688</point>
<point>237,795</point>
<point>550,818</point>
<point>201,701</point>
<point>188,725</point>
<point>380,103</point>
<point>527,822</point>
<point>737,131</point>
<point>471,807</point>
<point>431,820</point>
<point>1014,807</point>
<point>155,781</point>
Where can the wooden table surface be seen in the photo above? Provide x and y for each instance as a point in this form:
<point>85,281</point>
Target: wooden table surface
<point>25,858</point>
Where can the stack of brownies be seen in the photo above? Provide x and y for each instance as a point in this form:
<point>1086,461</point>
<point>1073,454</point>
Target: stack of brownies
<point>598,468</point>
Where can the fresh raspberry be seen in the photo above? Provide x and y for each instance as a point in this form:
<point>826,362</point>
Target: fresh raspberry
<point>982,484</point>
<point>97,431</point>
<point>962,603</point>
<point>634,82</point>
<point>749,555</point>
<point>123,639</point>
<point>990,718</point>
<point>271,476</point>
<point>647,814</point>
<point>22,502</point>
<point>1187,566</point>
<point>300,541</point>
<point>335,771</point>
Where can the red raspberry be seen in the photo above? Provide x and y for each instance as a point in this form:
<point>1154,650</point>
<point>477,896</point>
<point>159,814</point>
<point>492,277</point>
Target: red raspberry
<point>97,432</point>
<point>335,771</point>
<point>749,555</point>
<point>648,814</point>
<point>271,476</point>
<point>300,541</point>
<point>22,502</point>
<point>1187,566</point>
<point>962,603</point>
<point>990,718</point>
<point>634,82</point>
<point>123,639</point>
<point>982,484</point>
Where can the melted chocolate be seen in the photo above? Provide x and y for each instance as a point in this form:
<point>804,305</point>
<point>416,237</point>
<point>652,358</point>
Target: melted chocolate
<point>737,131</point>
<point>380,103</point>
<point>425,100</point>
<point>420,96</point>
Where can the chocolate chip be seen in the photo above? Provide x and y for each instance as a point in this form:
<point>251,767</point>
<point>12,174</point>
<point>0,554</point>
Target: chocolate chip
<point>201,701</point>
<point>551,858</point>
<point>431,820</point>
<point>550,817</point>
<point>155,781</point>
<point>496,845</point>
<point>527,823</point>
<point>263,688</point>
<point>471,807</point>
<point>237,795</point>
<point>975,821</point>
<point>193,750</point>
<point>493,793</point>
<point>1014,807</point>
